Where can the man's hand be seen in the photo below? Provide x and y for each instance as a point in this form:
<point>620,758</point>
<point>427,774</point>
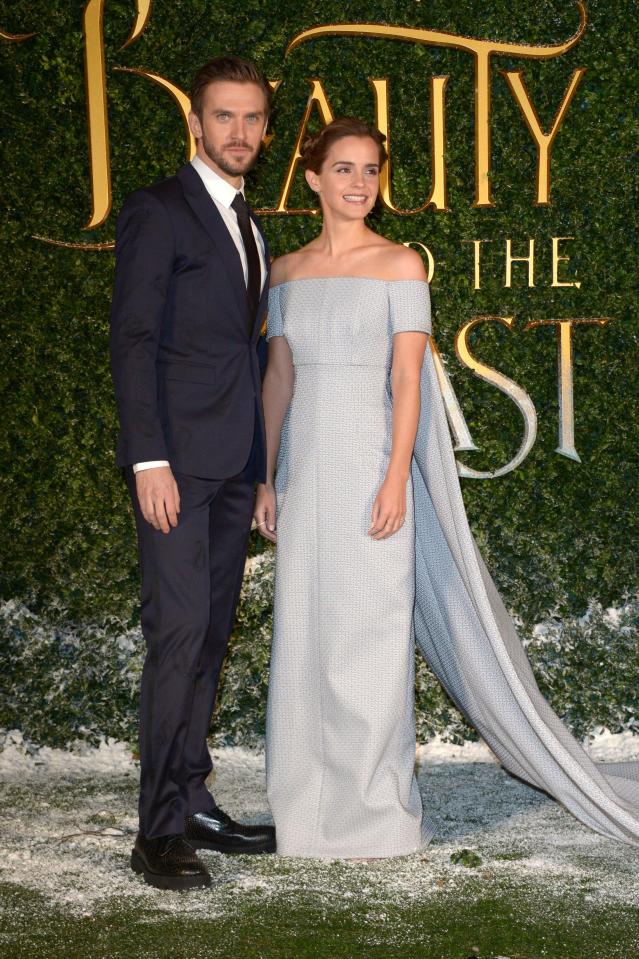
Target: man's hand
<point>158,496</point>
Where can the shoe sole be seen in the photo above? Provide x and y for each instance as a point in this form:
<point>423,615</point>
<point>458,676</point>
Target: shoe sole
<point>249,850</point>
<point>179,883</point>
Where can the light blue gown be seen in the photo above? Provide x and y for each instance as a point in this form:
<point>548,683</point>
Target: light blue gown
<point>340,737</point>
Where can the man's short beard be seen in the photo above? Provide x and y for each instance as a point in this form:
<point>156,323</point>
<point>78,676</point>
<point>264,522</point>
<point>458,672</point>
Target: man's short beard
<point>237,167</point>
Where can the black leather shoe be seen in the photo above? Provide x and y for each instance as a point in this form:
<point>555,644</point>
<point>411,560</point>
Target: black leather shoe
<point>215,830</point>
<point>169,862</point>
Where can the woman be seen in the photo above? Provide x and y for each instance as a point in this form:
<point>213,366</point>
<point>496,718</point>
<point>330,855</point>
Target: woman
<point>373,544</point>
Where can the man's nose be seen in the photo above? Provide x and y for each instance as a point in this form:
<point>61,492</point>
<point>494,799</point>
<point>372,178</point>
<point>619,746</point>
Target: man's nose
<point>237,128</point>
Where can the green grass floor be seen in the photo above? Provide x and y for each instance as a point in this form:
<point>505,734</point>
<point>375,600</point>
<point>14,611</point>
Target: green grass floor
<point>475,920</point>
<point>538,886</point>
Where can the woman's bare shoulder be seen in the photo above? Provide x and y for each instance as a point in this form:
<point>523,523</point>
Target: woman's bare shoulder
<point>402,263</point>
<point>387,260</point>
<point>285,267</point>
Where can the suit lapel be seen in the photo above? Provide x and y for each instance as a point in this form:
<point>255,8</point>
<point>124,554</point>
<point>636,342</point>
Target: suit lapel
<point>209,216</point>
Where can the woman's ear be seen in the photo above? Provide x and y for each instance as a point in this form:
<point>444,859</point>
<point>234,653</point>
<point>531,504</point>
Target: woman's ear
<point>313,180</point>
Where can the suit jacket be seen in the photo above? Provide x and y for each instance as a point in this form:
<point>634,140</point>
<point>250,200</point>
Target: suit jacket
<point>184,353</point>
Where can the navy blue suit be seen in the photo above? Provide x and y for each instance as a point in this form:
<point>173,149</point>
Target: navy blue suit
<point>186,370</point>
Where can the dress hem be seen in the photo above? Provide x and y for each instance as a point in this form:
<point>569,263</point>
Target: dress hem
<point>427,835</point>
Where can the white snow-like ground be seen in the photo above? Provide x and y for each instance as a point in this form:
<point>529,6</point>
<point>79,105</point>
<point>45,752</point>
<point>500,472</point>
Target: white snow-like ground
<point>69,820</point>
<point>19,759</point>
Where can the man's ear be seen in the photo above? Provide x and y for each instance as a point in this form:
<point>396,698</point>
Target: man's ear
<point>194,125</point>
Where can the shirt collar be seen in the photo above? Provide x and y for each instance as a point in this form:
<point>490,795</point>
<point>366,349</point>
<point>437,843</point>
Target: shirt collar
<point>216,186</point>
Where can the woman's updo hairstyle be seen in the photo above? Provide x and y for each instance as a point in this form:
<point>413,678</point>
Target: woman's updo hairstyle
<point>315,148</point>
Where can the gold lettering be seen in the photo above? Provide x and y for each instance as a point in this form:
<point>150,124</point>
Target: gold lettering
<point>543,141</point>
<point>267,138</point>
<point>141,20</point>
<point>481,50</point>
<point>438,197</point>
<point>477,252</point>
<point>439,193</point>
<point>97,116</point>
<point>95,79</point>
<point>317,97</point>
<point>530,260</point>
<point>16,37</point>
<point>555,263</point>
<point>482,128</point>
<point>565,378</point>
<point>511,389</point>
<point>107,245</point>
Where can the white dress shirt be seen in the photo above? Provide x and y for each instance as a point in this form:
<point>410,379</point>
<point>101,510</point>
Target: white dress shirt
<point>222,193</point>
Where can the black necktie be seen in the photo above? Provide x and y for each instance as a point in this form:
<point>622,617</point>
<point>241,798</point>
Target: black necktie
<point>252,256</point>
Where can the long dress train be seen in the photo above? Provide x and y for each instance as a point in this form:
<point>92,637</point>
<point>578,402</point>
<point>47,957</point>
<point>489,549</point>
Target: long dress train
<point>340,729</point>
<point>469,640</point>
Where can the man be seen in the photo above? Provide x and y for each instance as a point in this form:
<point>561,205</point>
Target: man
<point>189,298</point>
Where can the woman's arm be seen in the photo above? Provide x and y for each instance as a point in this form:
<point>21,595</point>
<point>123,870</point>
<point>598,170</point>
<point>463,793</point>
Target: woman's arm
<point>389,509</point>
<point>408,357</point>
<point>277,391</point>
<point>276,394</point>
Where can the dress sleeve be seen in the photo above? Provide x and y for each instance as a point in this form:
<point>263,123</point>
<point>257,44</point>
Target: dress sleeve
<point>274,320</point>
<point>409,302</point>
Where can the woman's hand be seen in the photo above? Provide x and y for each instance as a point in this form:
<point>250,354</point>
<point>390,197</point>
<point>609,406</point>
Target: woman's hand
<point>389,509</point>
<point>264,511</point>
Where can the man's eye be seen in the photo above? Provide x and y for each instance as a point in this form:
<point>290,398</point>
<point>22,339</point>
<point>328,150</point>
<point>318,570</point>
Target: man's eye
<point>223,116</point>
<point>343,169</point>
<point>372,171</point>
<point>252,118</point>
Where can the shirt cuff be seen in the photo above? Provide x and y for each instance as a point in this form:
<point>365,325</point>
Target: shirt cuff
<point>151,465</point>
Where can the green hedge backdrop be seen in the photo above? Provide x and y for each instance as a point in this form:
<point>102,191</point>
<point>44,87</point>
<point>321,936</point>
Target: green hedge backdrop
<point>559,536</point>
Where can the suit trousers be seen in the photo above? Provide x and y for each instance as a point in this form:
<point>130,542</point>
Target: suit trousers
<point>190,585</point>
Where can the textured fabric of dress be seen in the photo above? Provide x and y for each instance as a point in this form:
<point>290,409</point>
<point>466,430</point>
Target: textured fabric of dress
<point>340,716</point>
<point>340,729</point>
